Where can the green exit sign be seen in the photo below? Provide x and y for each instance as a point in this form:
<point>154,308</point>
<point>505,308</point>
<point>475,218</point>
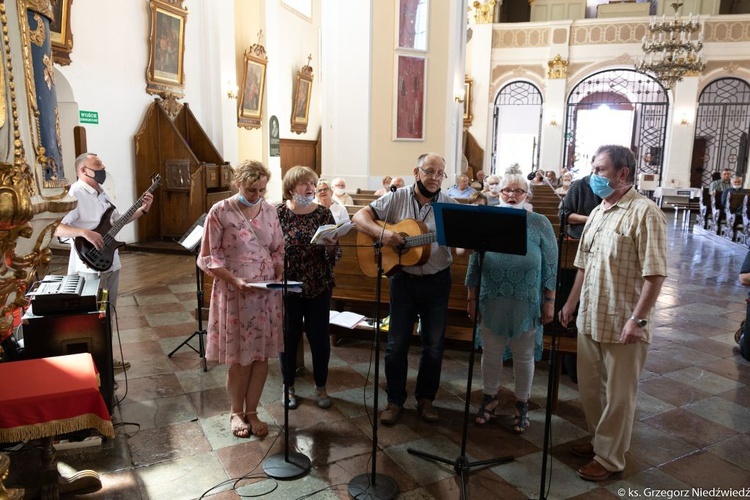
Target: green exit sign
<point>88,116</point>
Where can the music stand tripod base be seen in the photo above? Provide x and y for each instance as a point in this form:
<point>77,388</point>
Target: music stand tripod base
<point>362,487</point>
<point>278,467</point>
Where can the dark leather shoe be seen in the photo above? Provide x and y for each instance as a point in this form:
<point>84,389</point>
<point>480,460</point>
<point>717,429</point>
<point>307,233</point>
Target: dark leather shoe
<point>391,414</point>
<point>594,471</point>
<point>427,411</point>
<point>585,450</point>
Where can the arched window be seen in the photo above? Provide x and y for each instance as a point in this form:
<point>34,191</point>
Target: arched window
<point>618,106</point>
<point>721,130</point>
<point>517,126</point>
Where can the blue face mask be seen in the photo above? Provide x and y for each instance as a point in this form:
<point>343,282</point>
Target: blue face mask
<point>600,186</point>
<point>245,202</point>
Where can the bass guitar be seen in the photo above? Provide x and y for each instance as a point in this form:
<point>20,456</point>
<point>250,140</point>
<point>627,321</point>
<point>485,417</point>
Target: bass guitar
<point>101,260</point>
<point>414,252</point>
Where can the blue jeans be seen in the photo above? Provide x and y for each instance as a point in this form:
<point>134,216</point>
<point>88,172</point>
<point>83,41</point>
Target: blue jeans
<point>310,314</point>
<point>412,297</point>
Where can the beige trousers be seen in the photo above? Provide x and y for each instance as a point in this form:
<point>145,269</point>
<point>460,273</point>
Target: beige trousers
<point>608,376</point>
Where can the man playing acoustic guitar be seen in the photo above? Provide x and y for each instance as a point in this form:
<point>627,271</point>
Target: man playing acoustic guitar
<point>419,290</point>
<point>93,202</point>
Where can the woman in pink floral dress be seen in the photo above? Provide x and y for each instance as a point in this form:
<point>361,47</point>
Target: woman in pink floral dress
<point>242,244</point>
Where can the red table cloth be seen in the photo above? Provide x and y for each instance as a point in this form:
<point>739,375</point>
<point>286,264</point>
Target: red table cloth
<point>51,396</point>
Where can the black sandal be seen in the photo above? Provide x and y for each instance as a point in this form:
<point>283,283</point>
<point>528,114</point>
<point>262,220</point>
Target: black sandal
<point>487,410</point>
<point>521,421</point>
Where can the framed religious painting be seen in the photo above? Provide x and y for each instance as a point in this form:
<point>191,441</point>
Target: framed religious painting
<point>301,100</point>
<point>410,98</point>
<point>165,72</point>
<point>249,114</point>
<point>61,37</point>
<point>468,83</point>
<point>412,24</point>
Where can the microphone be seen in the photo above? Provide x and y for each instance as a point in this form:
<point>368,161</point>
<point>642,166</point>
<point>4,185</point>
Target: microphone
<point>547,181</point>
<point>393,188</point>
<point>531,175</point>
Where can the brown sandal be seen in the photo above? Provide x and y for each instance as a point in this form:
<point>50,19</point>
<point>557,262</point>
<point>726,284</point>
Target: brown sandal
<point>521,421</point>
<point>259,428</point>
<point>240,431</point>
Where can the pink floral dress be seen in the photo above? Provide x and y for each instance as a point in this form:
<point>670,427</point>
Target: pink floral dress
<point>243,326</point>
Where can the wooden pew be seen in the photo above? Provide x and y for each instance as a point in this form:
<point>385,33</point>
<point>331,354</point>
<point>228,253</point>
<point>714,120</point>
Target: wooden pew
<point>718,216</point>
<point>733,215</point>
<point>705,208</point>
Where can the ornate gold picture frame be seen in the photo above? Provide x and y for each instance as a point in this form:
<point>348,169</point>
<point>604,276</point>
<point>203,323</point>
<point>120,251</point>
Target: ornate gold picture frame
<point>301,101</point>
<point>165,72</point>
<point>468,117</point>
<point>61,37</point>
<point>250,106</point>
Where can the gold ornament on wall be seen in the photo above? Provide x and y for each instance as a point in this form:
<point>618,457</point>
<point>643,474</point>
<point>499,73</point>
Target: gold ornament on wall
<point>557,68</point>
<point>484,12</point>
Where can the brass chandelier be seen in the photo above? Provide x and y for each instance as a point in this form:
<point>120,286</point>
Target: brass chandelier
<point>670,50</point>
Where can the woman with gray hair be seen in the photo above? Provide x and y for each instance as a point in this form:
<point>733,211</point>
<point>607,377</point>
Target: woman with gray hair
<point>516,299</point>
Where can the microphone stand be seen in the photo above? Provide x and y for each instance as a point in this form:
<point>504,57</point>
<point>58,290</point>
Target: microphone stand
<point>374,485</point>
<point>287,464</point>
<point>552,378</point>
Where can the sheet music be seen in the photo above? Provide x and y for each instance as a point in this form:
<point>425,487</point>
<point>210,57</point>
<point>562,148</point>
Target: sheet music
<point>192,238</point>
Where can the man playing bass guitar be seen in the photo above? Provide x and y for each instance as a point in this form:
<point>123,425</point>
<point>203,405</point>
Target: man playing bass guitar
<point>93,202</point>
<point>417,290</point>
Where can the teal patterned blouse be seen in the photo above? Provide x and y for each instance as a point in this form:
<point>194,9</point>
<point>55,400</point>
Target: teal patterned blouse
<point>512,292</point>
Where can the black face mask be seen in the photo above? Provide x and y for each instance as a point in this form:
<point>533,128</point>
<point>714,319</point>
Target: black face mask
<point>99,175</point>
<point>425,192</point>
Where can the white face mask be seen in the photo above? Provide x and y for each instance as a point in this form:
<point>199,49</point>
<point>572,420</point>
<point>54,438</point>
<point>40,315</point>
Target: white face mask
<point>495,188</point>
<point>736,186</point>
<point>339,191</point>
<point>566,183</point>
<point>518,206</point>
<point>303,201</point>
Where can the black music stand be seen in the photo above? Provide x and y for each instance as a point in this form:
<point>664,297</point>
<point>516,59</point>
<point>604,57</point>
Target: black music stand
<point>482,229</point>
<point>287,464</point>
<point>375,486</point>
<point>191,240</point>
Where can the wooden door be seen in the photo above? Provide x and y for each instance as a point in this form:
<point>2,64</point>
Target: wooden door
<point>697,162</point>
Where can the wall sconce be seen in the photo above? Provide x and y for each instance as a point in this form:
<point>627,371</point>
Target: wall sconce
<point>231,90</point>
<point>553,121</point>
<point>684,120</point>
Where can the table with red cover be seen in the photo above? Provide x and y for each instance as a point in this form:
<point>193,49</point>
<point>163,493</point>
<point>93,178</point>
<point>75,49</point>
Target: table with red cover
<point>51,396</point>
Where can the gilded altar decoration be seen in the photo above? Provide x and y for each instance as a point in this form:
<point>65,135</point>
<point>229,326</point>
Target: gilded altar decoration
<point>23,251</point>
<point>59,32</point>
<point>38,36</point>
<point>484,12</point>
<point>557,68</point>
<point>41,95</point>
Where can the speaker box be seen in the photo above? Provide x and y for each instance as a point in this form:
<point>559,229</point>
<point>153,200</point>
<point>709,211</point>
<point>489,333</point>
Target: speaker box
<point>61,334</point>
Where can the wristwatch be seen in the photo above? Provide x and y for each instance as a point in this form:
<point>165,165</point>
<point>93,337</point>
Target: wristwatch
<point>640,322</point>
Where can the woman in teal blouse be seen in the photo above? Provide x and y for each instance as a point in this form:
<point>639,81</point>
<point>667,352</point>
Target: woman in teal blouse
<point>516,299</point>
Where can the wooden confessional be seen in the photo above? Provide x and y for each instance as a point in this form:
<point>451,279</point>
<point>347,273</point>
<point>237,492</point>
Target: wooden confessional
<point>172,143</point>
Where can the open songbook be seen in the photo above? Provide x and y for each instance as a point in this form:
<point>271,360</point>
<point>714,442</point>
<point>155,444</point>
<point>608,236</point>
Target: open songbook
<point>345,319</point>
<point>292,286</point>
<point>329,232</point>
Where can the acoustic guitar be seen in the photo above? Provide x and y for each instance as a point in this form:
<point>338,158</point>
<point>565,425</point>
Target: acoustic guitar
<point>101,260</point>
<point>414,252</point>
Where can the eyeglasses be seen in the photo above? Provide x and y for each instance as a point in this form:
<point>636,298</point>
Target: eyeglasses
<point>517,192</point>
<point>439,174</point>
<point>322,190</point>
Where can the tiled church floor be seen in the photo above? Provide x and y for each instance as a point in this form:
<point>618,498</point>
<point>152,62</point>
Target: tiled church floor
<point>173,439</point>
